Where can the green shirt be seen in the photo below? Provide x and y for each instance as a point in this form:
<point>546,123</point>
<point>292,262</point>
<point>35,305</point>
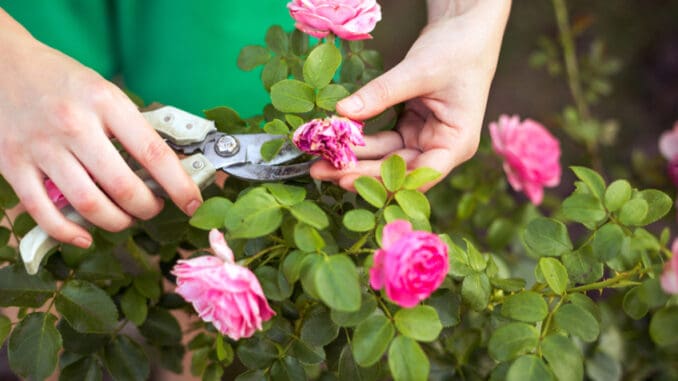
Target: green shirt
<point>177,52</point>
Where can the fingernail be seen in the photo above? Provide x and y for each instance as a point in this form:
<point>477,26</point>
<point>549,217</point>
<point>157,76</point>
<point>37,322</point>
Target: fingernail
<point>83,242</point>
<point>352,104</point>
<point>192,207</point>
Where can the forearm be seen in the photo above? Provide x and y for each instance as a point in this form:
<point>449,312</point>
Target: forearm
<point>491,10</point>
<point>10,27</point>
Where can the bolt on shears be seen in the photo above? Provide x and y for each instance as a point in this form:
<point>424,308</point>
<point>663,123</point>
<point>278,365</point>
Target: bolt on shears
<point>209,151</point>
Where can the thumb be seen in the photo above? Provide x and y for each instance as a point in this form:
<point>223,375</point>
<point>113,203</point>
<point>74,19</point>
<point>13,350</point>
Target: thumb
<point>403,82</point>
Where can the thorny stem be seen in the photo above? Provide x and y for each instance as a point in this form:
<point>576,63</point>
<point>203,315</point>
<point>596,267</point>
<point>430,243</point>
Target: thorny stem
<point>549,318</point>
<point>258,255</point>
<point>607,282</point>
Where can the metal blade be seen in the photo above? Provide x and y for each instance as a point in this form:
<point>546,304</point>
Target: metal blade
<point>261,172</point>
<point>247,151</point>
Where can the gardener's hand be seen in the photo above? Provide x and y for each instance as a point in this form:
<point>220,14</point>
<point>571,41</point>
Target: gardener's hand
<point>56,117</point>
<point>444,80</point>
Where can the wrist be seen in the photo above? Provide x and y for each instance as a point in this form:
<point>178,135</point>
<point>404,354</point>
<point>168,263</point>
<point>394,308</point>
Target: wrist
<point>439,10</point>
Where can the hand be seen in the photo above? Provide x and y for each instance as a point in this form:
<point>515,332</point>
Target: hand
<point>56,118</point>
<point>444,80</point>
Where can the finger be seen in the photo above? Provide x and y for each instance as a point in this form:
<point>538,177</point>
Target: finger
<point>405,81</point>
<point>379,145</point>
<point>324,171</point>
<point>114,176</point>
<point>146,146</point>
<point>83,194</point>
<point>29,187</point>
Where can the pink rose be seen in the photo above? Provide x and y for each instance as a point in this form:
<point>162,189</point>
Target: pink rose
<point>348,19</point>
<point>531,155</point>
<point>222,292</point>
<point>669,278</point>
<point>668,147</point>
<point>331,138</point>
<point>55,194</point>
<point>411,264</point>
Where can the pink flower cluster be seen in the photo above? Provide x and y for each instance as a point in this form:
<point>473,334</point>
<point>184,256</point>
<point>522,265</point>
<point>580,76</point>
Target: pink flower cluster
<point>410,264</point>
<point>531,155</point>
<point>331,138</point>
<point>222,292</point>
<point>669,278</point>
<point>348,19</point>
<point>668,147</point>
<point>55,194</point>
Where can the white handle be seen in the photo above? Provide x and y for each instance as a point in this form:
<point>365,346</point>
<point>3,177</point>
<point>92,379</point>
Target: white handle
<point>178,126</point>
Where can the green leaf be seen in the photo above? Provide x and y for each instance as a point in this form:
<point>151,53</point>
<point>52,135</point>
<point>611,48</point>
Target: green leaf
<point>86,307</point>
<point>161,327</point>
<point>414,203</point>
<point>286,194</point>
<point>359,220</point>
<point>634,212</point>
<point>586,303</point>
<point>211,214</point>
<point>5,234</point>
<point>394,212</point>
<point>17,288</point>
<point>633,305</point>
<point>617,194</point>
<point>276,40</point>
<point>547,237</point>
<point>607,242</point>
<point>134,306</point>
<point>291,266</point>
<point>512,340</point>
<point>475,259</point>
<point>310,213</point>
<point>592,179</point>
<point>527,306</point>
<point>276,127</point>
<point>294,121</point>
<point>23,223</point>
<point>659,204</point>
<point>5,327</point>
<point>603,367</point>
<point>321,64</point>
<point>255,214</point>
<point>34,346</point>
<point>252,375</point>
<point>199,360</point>
<point>8,198</point>
<point>508,284</point>
<point>274,283</point>
<point>290,95</point>
<point>555,274</point>
<point>407,360</point>
<point>352,69</point>
<point>448,305</point>
<point>226,119</point>
<point>529,368</point>
<point>420,177</point>
<point>306,353</point>
<point>257,353</point>
<point>329,95</point>
<point>274,71</point>
<point>271,148</point>
<point>351,319</point>
<point>664,326</point>
<point>564,358</point>
<point>577,321</point>
<point>336,280</point>
<point>584,208</point>
<point>349,370</point>
<point>80,343</point>
<point>393,172</point>
<point>371,191</point>
<point>214,372</point>
<point>125,360</point>
<point>652,293</point>
<point>287,369</point>
<point>582,267</point>
<point>224,351</point>
<point>475,290</point>
<point>85,369</point>
<point>298,42</point>
<point>420,323</point>
<point>317,328</point>
<point>252,56</point>
<point>371,339</point>
<point>307,238</point>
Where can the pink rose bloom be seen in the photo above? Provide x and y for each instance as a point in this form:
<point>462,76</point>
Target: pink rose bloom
<point>222,292</point>
<point>669,278</point>
<point>55,194</point>
<point>668,147</point>
<point>348,19</point>
<point>331,138</point>
<point>411,264</point>
<point>531,155</point>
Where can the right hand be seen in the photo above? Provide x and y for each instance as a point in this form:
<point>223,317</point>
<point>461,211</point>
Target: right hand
<point>56,118</point>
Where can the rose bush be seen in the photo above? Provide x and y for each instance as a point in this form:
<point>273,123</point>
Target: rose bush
<point>466,282</point>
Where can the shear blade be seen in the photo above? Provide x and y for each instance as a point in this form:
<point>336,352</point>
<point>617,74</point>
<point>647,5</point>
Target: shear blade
<point>262,172</point>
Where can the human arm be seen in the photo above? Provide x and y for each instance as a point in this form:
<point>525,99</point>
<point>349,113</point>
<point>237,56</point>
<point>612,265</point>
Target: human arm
<point>444,79</point>
<point>56,118</point>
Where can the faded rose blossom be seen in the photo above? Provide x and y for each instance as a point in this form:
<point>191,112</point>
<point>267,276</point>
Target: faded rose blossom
<point>531,155</point>
<point>222,292</point>
<point>331,138</point>
<point>348,19</point>
<point>410,264</point>
<point>669,278</point>
<point>55,194</point>
<point>668,147</point>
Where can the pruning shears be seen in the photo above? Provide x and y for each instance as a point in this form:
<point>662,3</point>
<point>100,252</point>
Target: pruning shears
<point>210,150</point>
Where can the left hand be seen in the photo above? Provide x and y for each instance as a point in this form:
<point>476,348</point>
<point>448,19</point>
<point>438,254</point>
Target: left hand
<point>444,80</point>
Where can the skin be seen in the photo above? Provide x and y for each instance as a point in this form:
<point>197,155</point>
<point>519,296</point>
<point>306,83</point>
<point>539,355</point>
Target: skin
<point>56,123</point>
<point>444,81</point>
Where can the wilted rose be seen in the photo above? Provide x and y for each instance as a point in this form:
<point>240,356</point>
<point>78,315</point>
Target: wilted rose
<point>348,19</point>
<point>55,194</point>
<point>331,138</point>
<point>410,264</point>
<point>531,155</point>
<point>222,292</point>
<point>669,278</point>
<point>668,147</point>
